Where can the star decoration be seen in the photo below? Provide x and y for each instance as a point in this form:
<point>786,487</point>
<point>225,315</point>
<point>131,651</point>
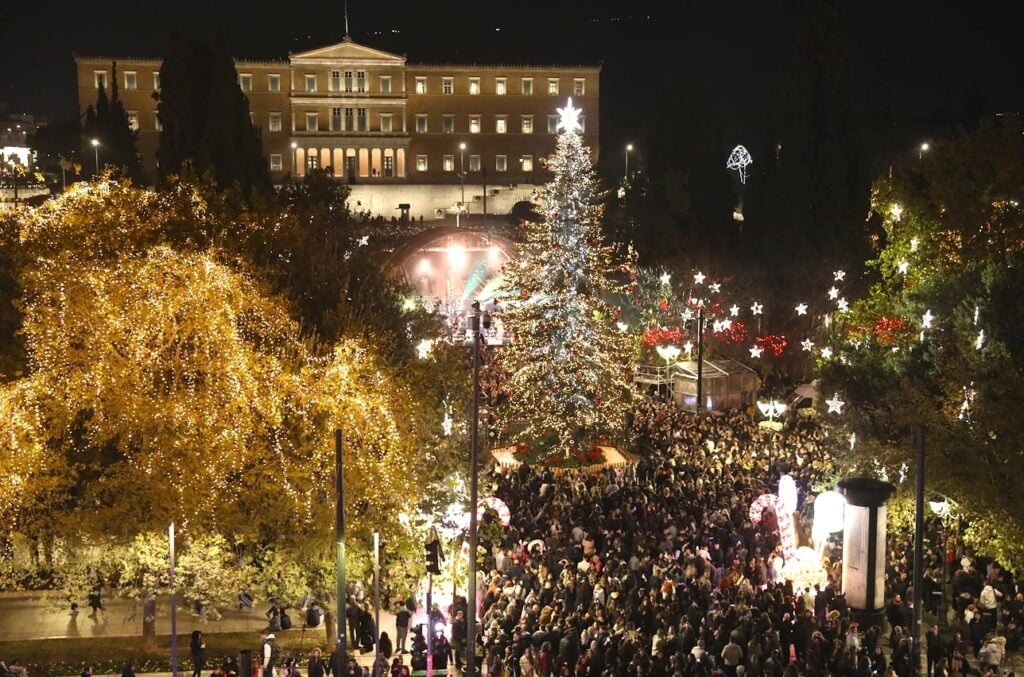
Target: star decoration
<point>756,308</point>
<point>423,348</point>
<point>853,440</point>
<point>839,275</point>
<point>833,294</point>
<point>807,345</point>
<point>801,309</point>
<point>903,266</point>
<point>756,351</point>
<point>843,304</point>
<point>980,341</point>
<point>914,242</point>
<point>715,287</point>
<point>835,405</point>
<point>734,310</point>
<point>896,211</point>
<point>569,118</point>
<point>666,278</point>
<point>688,347</point>
<point>363,241</point>
<point>926,319</point>
<point>699,277</point>
<point>826,353</point>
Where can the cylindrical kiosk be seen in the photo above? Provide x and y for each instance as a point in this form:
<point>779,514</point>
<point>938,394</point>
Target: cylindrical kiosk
<point>864,548</point>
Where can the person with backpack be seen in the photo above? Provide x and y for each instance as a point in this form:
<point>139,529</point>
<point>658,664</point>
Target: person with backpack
<point>270,653</point>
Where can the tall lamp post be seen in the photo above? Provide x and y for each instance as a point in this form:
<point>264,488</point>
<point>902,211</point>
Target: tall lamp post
<point>629,149</point>
<point>476,319</point>
<point>295,158</point>
<point>922,149</point>
<point>462,178</point>
<point>668,353</point>
<point>771,409</point>
<point>96,151</point>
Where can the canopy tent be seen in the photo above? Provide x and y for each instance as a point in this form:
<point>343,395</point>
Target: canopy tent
<point>726,384</point>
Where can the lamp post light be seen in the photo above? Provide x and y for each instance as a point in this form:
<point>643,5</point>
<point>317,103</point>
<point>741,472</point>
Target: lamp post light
<point>295,158</point>
<point>668,353</point>
<point>462,179</point>
<point>942,509</point>
<point>772,409</point>
<point>96,151</point>
<point>922,149</point>
<point>629,149</point>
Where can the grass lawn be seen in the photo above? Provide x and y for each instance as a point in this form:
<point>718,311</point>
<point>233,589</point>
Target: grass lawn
<point>61,657</point>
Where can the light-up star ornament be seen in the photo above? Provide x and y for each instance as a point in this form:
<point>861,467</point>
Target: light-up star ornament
<point>835,405</point>
<point>807,345</point>
<point>826,353</point>
<point>739,159</point>
<point>801,309</point>
<point>734,310</point>
<point>756,308</point>
<point>926,319</point>
<point>756,351</point>
<point>699,277</point>
<point>688,347</point>
<point>569,118</point>
<point>423,348</point>
<point>839,275</point>
<point>363,241</point>
<point>833,294</point>
<point>903,266</point>
<point>715,287</point>
<point>979,342</point>
<point>843,304</point>
<point>666,278</point>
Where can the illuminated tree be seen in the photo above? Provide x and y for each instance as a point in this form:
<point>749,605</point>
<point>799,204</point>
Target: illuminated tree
<point>569,372</point>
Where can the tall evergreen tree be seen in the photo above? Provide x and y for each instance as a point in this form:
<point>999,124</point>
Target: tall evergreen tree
<point>107,122</point>
<point>205,117</point>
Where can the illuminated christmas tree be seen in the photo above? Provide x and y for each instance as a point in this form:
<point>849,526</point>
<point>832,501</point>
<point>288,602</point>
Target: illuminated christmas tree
<point>569,373</point>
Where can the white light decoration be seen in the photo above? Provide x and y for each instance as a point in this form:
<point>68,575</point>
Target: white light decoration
<point>734,310</point>
<point>979,342</point>
<point>833,294</point>
<point>801,309</point>
<point>666,279</point>
<point>829,510</point>
<point>424,266</point>
<point>896,210</point>
<point>739,159</point>
<point>843,305</point>
<point>839,275</point>
<point>784,504</point>
<point>715,287</point>
<point>826,353</point>
<point>927,318</point>
<point>699,277</point>
<point>977,311</point>
<point>456,256</point>
<point>721,325</point>
<point>687,314</point>
<point>446,424</point>
<point>423,348</point>
<point>804,570</point>
<point>853,440</point>
<point>569,118</point>
<point>914,242</point>
<point>668,353</point>
<point>835,405</point>
<point>756,308</point>
<point>622,326</point>
<point>807,345</point>
<point>756,351</point>
<point>688,347</point>
<point>363,241</point>
<point>903,266</point>
<point>940,508</point>
<point>409,304</point>
<point>497,505</point>
<point>772,409</point>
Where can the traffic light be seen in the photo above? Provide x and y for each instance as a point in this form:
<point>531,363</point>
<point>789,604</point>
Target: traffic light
<point>433,554</point>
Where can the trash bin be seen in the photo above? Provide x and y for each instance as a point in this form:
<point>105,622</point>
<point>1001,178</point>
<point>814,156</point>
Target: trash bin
<point>245,664</point>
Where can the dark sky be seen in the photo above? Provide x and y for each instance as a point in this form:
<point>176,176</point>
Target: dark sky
<point>924,57</point>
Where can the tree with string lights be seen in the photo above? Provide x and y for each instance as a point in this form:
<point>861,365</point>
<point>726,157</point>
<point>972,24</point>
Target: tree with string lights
<point>569,372</point>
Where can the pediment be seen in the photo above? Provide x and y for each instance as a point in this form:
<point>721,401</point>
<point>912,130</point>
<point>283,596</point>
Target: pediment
<point>347,50</point>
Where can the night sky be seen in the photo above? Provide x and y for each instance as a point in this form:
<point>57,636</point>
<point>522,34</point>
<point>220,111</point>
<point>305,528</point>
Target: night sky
<point>923,60</point>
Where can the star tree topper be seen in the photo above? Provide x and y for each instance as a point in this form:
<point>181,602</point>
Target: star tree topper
<point>569,118</point>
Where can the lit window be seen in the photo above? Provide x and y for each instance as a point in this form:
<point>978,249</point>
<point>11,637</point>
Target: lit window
<point>100,79</point>
<point>500,163</point>
<point>527,124</point>
<point>336,119</point>
<point>474,124</point>
<point>360,81</point>
<point>349,124</point>
<point>274,82</point>
<point>552,124</point>
<point>421,163</point>
<point>245,82</point>
<point>361,119</point>
<point>335,85</point>
<point>421,88</point>
<point>448,124</point>
<point>501,124</point>
<point>527,163</point>
<point>447,85</point>
<point>385,122</point>
<point>500,86</point>
<point>527,86</point>
<point>131,81</point>
<point>385,84</point>
<point>274,124</point>
<point>474,85</point>
<point>156,80</point>
<point>421,123</point>
<point>133,120</point>
<point>448,163</point>
<point>312,122</point>
<point>552,85</point>
<point>310,83</point>
<point>313,161</point>
<point>579,87</point>
<point>474,163</point>
<point>389,165</point>
<point>276,163</point>
<point>348,81</point>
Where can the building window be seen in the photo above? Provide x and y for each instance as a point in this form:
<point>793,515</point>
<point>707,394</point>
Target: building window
<point>349,119</point>
<point>385,84</point>
<point>474,85</point>
<point>421,88</point>
<point>312,122</point>
<point>552,124</point>
<point>157,126</point>
<point>579,87</point>
<point>131,81</point>
<point>526,162</point>
<point>274,124</point>
<point>310,83</point>
<point>500,124</point>
<point>421,163</point>
<point>335,85</point>
<point>447,85</point>
<point>552,85</point>
<point>386,122</point>
<point>348,81</point>
<point>245,82</point>
<point>274,82</point>
<point>474,124</point>
<point>500,163</point>
<point>156,80</point>
<point>336,119</point>
<point>313,161</point>
<point>527,86</point>
<point>133,120</point>
<point>448,124</point>
<point>360,81</point>
<point>500,86</point>
<point>276,164</point>
<point>361,119</point>
<point>527,124</point>
<point>474,163</point>
<point>421,123</point>
<point>448,163</point>
<point>389,165</point>
<point>100,79</point>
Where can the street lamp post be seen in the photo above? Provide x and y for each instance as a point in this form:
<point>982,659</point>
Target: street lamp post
<point>771,409</point>
<point>629,149</point>
<point>295,158</point>
<point>462,178</point>
<point>922,149</point>
<point>476,319</point>
<point>96,151</point>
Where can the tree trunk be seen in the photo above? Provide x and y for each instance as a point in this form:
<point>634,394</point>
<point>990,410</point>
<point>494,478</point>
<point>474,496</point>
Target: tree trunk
<point>332,629</point>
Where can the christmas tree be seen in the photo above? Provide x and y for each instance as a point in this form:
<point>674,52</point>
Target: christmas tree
<point>569,373</point>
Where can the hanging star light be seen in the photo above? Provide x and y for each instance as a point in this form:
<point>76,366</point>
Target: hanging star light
<point>688,347</point>
<point>980,341</point>
<point>756,351</point>
<point>699,277</point>
<point>833,294</point>
<point>363,241</point>
<point>835,405</point>
<point>903,266</point>
<point>914,242</point>
<point>896,210</point>
<point>423,348</point>
<point>569,118</point>
<point>926,319</point>
<point>843,305</point>
<point>826,353</point>
<point>734,310</point>
<point>718,325</point>
<point>807,345</point>
<point>839,275</point>
<point>666,278</point>
<point>801,309</point>
<point>739,159</point>
<point>756,308</point>
<point>715,287</point>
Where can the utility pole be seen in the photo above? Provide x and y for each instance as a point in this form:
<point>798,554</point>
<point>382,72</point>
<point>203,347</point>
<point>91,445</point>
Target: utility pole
<point>339,534</point>
<point>700,358</point>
